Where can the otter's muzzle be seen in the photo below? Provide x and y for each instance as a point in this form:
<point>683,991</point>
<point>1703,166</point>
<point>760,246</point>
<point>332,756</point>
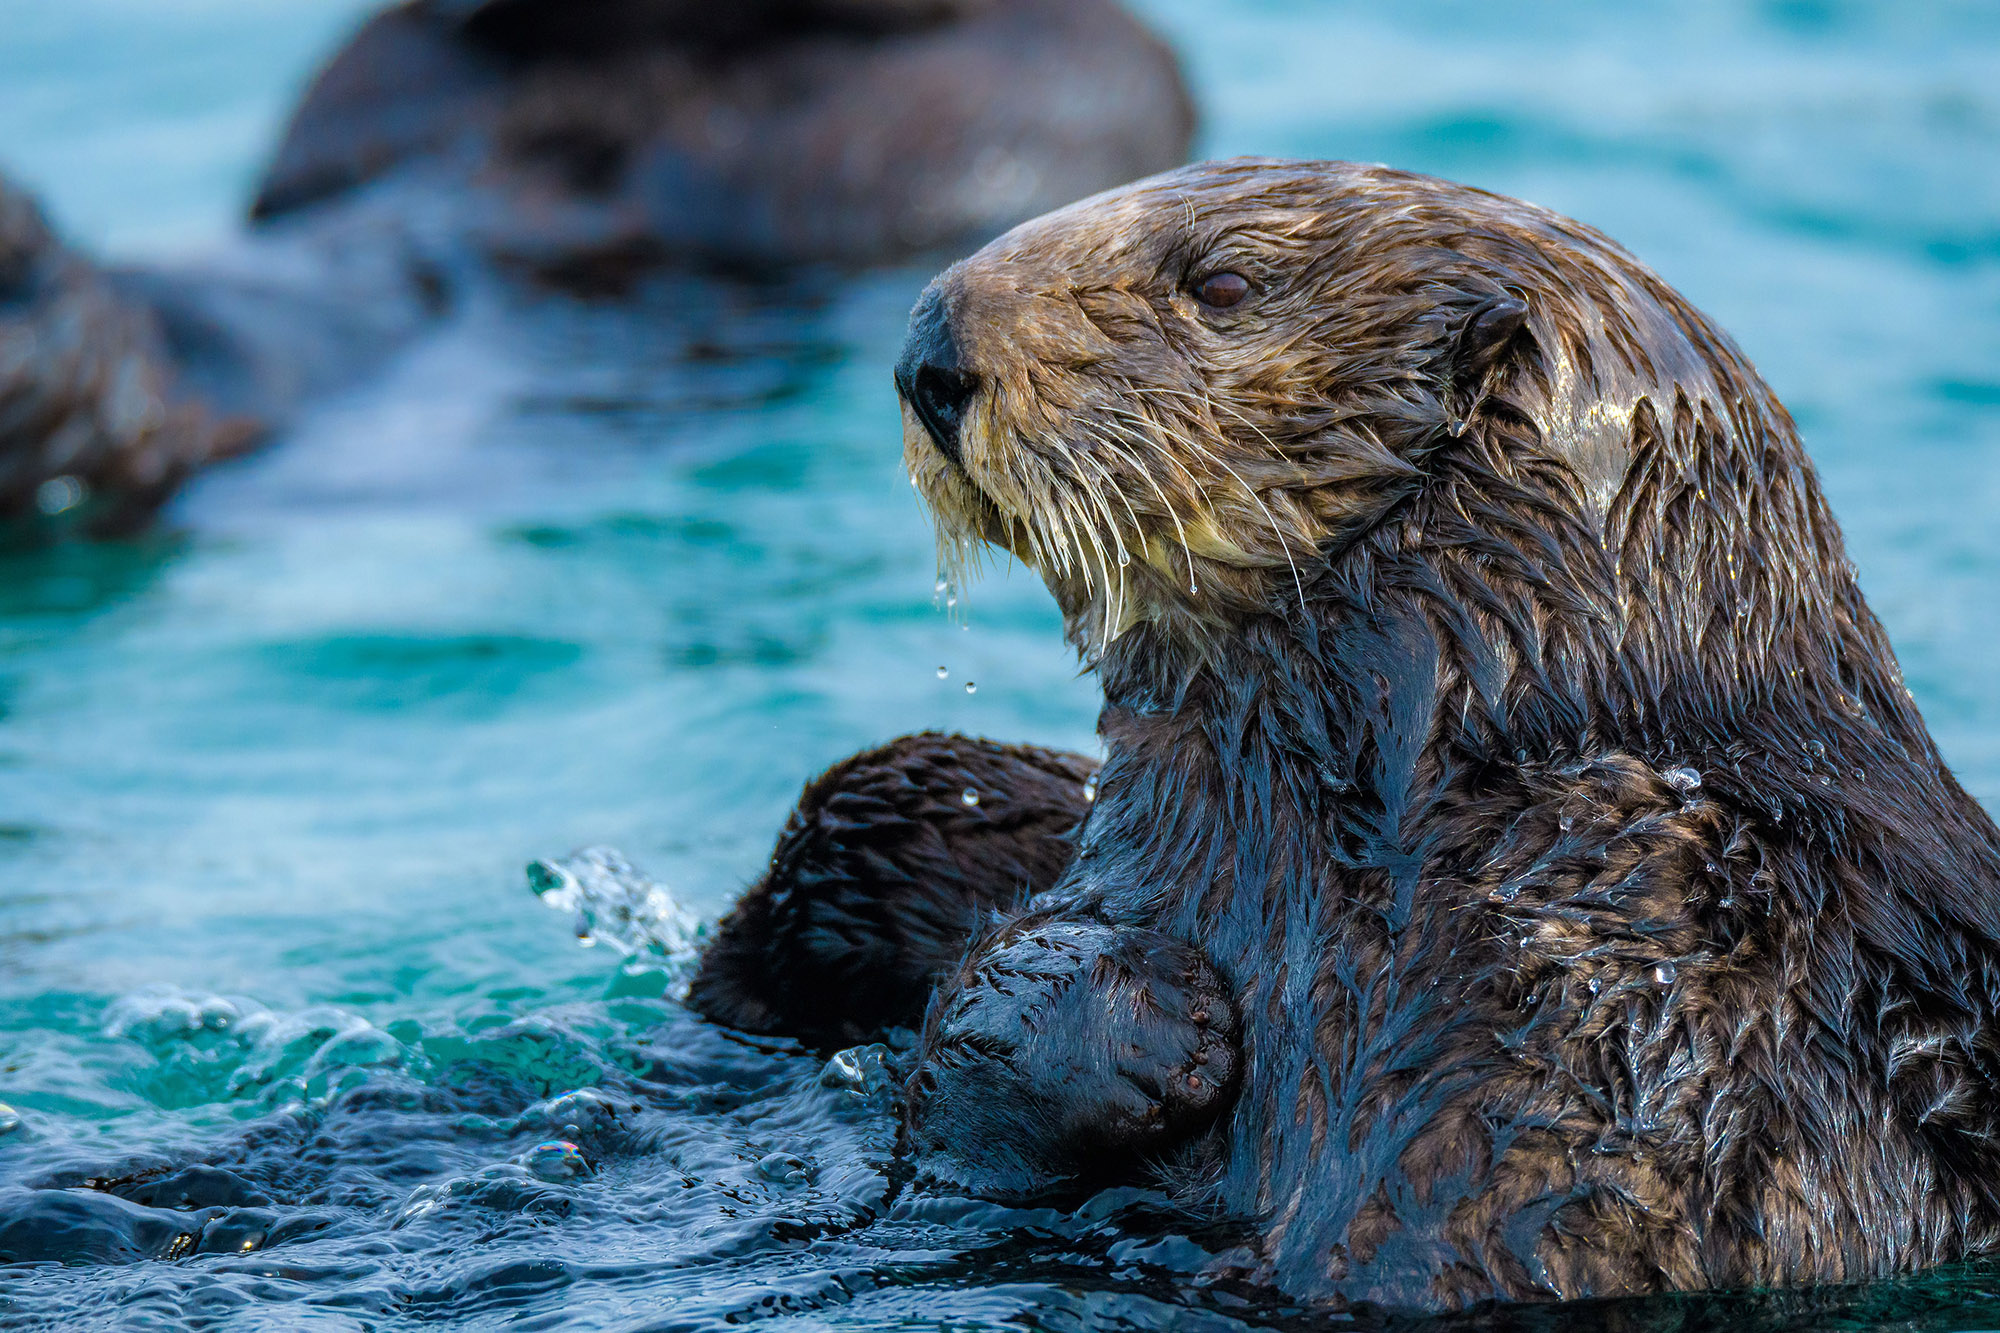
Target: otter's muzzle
<point>932,376</point>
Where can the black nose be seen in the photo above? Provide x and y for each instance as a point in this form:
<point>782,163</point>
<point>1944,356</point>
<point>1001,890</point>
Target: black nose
<point>932,377</point>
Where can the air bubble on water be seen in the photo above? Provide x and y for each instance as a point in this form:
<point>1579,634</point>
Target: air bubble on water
<point>578,1113</point>
<point>971,688</point>
<point>556,1160</point>
<point>1090,788</point>
<point>10,1119</point>
<point>861,1070</point>
<point>969,796</point>
<point>943,672</point>
<point>615,904</point>
<point>1664,973</point>
<point>781,1168</point>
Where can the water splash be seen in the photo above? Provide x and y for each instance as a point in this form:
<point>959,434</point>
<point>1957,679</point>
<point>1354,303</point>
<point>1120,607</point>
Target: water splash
<point>617,905</point>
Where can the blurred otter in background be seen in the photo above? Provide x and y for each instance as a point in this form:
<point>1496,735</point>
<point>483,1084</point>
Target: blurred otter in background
<point>608,132</point>
<point>577,144</point>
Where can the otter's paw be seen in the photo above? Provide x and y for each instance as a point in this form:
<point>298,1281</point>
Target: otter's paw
<point>1071,1051</point>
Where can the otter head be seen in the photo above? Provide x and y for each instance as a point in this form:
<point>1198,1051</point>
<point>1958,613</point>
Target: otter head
<point>1243,388</point>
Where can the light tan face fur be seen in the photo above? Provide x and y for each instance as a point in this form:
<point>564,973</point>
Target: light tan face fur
<point>1155,458</point>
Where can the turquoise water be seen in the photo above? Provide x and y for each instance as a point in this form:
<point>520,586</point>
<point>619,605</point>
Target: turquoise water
<point>570,574</point>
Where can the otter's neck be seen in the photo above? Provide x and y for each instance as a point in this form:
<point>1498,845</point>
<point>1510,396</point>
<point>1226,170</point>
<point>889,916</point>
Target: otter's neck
<point>1238,774</point>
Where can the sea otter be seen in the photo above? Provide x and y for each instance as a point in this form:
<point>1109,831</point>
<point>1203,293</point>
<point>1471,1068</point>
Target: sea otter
<point>579,142</point>
<point>1491,705</point>
<point>583,137</point>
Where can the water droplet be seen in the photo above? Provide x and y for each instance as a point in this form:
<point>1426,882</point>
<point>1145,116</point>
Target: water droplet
<point>58,494</point>
<point>1520,756</point>
<point>1711,867</point>
<point>940,586</point>
<point>1595,985</point>
<point>1505,893</point>
<point>1124,559</point>
<point>1566,822</point>
<point>1825,781</point>
<point>783,1169</point>
<point>1090,788</point>
<point>1686,781</point>
<point>950,599</point>
<point>1664,973</point>
<point>1817,749</point>
<point>969,796</point>
<point>971,687</point>
<point>1727,904</point>
<point>943,672</point>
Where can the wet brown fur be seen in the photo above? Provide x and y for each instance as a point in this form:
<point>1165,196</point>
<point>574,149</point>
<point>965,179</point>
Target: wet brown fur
<point>882,874</point>
<point>1489,693</point>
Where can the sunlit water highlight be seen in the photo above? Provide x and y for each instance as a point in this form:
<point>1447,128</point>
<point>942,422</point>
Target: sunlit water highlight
<point>569,575</point>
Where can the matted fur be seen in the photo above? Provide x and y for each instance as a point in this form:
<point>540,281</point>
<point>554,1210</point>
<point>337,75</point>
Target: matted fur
<point>1505,721</point>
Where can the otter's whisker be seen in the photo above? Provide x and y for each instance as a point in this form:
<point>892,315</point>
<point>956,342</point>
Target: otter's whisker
<point>1111,523</point>
<point>1059,505</point>
<point>1073,564</point>
<point>1149,441</point>
<point>1195,488</point>
<point>1276,531</point>
<point>1082,522</point>
<point>1097,544</point>
<point>1166,504</point>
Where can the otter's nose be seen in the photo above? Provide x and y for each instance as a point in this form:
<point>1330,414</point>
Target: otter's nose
<point>932,376</point>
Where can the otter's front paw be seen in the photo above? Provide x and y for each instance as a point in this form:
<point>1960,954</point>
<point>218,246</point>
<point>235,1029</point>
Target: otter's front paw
<point>1071,1050</point>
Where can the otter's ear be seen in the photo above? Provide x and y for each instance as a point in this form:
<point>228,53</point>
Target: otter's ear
<point>1483,340</point>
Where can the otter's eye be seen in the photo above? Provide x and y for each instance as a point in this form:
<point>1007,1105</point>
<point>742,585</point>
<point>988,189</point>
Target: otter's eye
<point>1222,290</point>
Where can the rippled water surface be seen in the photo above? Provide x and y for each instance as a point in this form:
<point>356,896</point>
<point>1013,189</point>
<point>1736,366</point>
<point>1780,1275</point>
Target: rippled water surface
<point>271,976</point>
